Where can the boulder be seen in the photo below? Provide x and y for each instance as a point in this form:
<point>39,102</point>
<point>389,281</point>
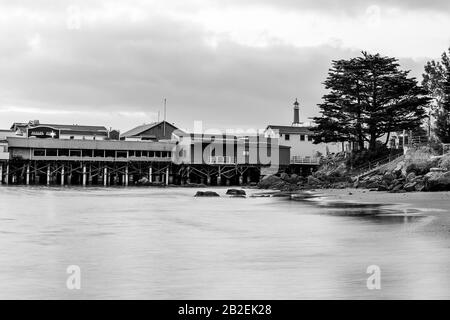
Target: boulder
<point>388,177</point>
<point>314,181</point>
<point>420,186</point>
<point>437,181</point>
<point>270,182</point>
<point>397,189</point>
<point>410,177</point>
<point>236,192</point>
<point>206,194</point>
<point>398,169</point>
<point>294,179</point>
<point>410,186</point>
<point>284,176</point>
<point>373,185</point>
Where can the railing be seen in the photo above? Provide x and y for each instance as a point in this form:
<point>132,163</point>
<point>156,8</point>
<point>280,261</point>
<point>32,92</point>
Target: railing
<point>305,160</point>
<point>221,160</point>
<point>375,164</point>
<point>105,159</point>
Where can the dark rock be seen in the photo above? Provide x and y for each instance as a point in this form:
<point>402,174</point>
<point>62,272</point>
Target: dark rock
<point>314,181</point>
<point>388,177</point>
<point>397,189</point>
<point>236,192</point>
<point>420,186</point>
<point>410,186</point>
<point>437,181</point>
<point>410,177</point>
<point>382,188</point>
<point>270,182</point>
<point>373,185</point>
<point>284,176</point>
<point>206,194</point>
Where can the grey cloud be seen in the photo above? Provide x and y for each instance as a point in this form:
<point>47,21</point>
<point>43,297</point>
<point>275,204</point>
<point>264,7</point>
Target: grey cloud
<point>131,67</point>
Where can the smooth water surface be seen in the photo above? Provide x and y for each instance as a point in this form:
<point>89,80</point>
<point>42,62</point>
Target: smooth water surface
<point>151,243</point>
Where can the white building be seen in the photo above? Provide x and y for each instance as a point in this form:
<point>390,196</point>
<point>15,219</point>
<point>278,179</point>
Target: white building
<point>299,137</point>
<point>34,129</point>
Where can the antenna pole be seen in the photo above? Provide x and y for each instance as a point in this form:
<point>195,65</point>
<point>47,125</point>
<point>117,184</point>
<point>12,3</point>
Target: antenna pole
<point>165,102</point>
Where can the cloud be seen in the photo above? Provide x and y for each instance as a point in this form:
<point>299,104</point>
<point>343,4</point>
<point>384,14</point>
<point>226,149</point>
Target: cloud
<point>226,64</point>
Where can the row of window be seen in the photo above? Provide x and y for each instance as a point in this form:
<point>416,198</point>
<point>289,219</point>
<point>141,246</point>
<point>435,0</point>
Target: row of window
<point>303,137</point>
<point>100,153</point>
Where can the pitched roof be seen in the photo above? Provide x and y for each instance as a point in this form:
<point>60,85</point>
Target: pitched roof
<point>74,127</point>
<point>142,128</point>
<point>291,129</point>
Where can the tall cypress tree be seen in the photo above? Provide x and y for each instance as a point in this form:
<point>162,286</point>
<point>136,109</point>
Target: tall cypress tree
<point>369,97</point>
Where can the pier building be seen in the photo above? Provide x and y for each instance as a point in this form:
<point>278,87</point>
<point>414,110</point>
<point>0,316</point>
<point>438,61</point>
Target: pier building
<point>53,154</point>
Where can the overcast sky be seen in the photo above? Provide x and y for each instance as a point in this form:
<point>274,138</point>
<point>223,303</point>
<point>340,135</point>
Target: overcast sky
<point>227,64</point>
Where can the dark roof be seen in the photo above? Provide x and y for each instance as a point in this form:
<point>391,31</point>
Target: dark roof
<point>291,129</point>
<point>74,127</point>
<point>136,132</point>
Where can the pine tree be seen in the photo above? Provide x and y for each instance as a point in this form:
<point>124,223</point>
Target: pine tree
<point>369,97</point>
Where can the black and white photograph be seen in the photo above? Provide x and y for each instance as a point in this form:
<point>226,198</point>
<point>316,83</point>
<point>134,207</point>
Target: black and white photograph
<point>224,150</point>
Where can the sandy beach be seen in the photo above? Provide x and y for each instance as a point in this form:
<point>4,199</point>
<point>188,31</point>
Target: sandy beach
<point>435,204</point>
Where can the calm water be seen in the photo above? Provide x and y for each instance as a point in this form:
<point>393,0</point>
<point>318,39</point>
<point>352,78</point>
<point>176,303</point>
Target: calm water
<point>165,244</point>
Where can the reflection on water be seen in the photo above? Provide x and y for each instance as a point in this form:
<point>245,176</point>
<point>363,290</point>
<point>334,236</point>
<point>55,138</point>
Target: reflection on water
<point>166,244</point>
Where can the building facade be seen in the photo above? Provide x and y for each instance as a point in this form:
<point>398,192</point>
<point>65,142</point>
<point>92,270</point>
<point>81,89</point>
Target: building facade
<point>300,138</point>
<point>34,129</point>
<point>155,131</point>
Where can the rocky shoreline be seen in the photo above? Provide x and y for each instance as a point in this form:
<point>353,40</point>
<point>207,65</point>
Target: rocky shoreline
<point>418,171</point>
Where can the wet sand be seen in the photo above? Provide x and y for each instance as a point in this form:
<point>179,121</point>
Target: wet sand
<point>435,204</point>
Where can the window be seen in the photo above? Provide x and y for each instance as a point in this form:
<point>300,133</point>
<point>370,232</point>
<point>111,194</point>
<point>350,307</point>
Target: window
<point>310,138</point>
<point>302,137</point>
<point>122,154</point>
<point>72,137</point>
<point>87,153</point>
<point>138,154</point>
<point>131,153</point>
<point>287,137</point>
<point>75,153</point>
<point>63,152</point>
<point>52,152</point>
<point>169,154</point>
<point>158,154</point>
<point>99,153</point>
<point>110,154</point>
<point>39,152</point>
<point>151,154</point>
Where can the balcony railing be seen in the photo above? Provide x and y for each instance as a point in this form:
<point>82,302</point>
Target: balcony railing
<point>305,160</point>
<point>221,160</point>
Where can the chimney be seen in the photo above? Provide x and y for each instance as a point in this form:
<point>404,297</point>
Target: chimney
<point>296,113</point>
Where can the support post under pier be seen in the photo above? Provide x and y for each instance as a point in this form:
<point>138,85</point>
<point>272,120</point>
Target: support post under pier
<point>84,175</point>
<point>62,176</point>
<point>28,175</point>
<point>48,174</point>
<point>105,176</point>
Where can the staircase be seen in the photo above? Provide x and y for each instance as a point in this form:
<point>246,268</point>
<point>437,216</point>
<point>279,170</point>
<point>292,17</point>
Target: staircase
<point>375,165</point>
